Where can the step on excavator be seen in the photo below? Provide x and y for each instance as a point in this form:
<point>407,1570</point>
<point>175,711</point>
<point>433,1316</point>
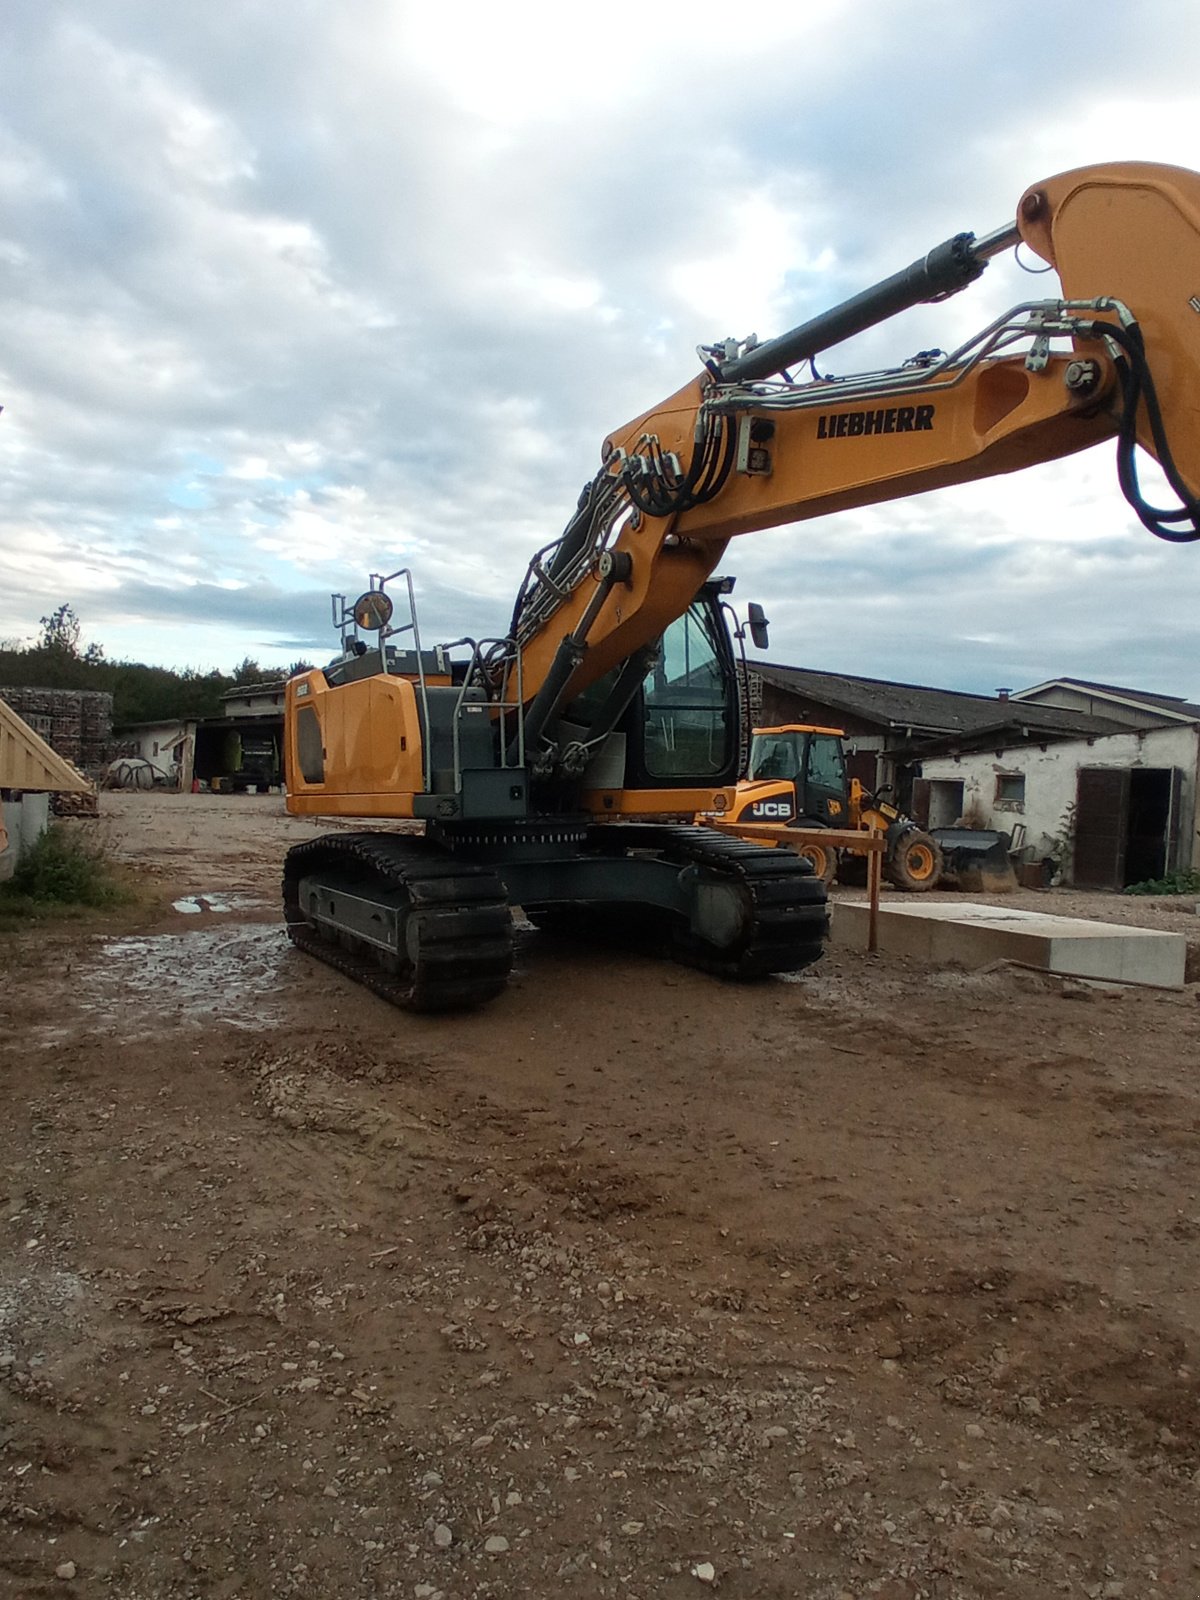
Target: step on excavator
<point>558,766</point>
<point>796,777</point>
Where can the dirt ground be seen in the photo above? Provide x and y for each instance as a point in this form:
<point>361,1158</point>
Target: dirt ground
<point>876,1282</point>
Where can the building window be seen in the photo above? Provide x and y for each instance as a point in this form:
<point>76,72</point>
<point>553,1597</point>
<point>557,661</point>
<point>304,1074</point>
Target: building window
<point>1010,790</point>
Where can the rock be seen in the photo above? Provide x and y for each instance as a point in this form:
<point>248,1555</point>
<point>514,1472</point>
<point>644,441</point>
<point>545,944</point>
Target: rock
<point>442,1536</point>
<point>973,1431</point>
<point>496,1545</point>
<point>705,1571</point>
<point>65,1570</point>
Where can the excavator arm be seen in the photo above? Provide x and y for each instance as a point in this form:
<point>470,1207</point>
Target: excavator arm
<point>745,446</point>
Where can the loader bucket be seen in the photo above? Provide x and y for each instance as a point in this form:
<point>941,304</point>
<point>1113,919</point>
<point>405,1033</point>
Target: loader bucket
<point>976,859</point>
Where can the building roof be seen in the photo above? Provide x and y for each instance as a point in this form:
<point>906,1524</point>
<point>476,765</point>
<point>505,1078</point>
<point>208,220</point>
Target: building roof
<point>247,691</point>
<point>1171,706</point>
<point>914,714</point>
<point>28,762</point>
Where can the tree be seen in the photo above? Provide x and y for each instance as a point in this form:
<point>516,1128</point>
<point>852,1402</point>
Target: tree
<point>60,632</point>
<point>249,671</point>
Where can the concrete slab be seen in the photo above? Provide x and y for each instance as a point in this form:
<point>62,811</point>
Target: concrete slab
<point>966,934</point>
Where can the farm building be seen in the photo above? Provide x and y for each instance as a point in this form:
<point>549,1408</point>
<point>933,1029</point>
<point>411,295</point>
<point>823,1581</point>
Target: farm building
<point>1100,779</point>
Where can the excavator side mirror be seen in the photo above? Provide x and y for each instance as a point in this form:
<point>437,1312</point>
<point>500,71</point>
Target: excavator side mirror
<point>373,610</point>
<point>756,619</point>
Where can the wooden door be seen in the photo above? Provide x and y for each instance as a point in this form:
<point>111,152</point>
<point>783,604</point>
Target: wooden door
<point>1101,827</point>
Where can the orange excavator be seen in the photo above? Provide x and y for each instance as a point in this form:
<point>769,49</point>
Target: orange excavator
<point>558,767</point>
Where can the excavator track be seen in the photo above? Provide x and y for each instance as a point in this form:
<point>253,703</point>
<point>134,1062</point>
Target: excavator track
<point>786,912</point>
<point>443,940</point>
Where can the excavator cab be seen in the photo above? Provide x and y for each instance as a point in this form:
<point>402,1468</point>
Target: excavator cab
<point>677,729</point>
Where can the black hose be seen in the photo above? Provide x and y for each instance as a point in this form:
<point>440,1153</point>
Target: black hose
<point>1137,387</point>
<point>705,477</point>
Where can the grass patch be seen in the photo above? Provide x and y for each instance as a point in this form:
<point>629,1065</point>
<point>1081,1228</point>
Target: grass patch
<point>1173,883</point>
<point>63,873</point>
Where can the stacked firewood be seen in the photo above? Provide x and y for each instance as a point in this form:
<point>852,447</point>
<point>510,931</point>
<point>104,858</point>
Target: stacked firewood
<point>83,804</point>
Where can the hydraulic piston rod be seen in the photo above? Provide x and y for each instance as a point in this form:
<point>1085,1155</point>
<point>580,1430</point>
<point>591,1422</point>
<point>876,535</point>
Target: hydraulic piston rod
<point>947,268</point>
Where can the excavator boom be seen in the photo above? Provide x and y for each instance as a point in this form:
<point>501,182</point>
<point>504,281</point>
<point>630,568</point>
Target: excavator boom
<point>1117,356</point>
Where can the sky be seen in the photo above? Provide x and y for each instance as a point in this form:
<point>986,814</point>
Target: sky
<point>295,294</point>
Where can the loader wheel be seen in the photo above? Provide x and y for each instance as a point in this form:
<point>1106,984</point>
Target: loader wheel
<point>823,860</point>
<point>916,863</point>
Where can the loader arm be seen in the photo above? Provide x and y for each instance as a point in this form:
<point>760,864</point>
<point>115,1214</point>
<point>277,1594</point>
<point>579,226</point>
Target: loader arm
<point>744,447</point>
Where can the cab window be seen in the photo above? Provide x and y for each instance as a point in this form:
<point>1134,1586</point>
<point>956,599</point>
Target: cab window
<point>826,767</point>
<point>689,723</point>
<point>774,755</point>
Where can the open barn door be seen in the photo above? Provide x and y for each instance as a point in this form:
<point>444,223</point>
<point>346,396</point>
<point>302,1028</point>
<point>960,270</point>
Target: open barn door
<point>1127,823</point>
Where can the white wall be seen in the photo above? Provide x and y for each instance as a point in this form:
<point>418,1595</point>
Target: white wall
<point>167,746</point>
<point>1050,781</point>
<point>269,704</point>
<point>25,820</point>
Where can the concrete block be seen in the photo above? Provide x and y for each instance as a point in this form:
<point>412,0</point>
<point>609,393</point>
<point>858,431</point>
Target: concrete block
<point>965,934</point>
<point>25,821</point>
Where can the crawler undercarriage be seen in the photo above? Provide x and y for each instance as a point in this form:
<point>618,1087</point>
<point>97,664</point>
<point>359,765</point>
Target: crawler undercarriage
<point>426,921</point>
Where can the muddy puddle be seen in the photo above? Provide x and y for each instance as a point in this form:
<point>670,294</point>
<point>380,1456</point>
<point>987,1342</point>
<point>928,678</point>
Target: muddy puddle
<point>221,904</point>
<point>228,974</point>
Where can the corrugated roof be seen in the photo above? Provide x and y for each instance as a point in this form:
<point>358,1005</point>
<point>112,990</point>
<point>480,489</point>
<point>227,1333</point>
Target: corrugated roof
<point>28,762</point>
<point>925,712</point>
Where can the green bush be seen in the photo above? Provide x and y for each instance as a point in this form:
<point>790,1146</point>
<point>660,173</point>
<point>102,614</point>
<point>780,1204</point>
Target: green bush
<point>1173,883</point>
<point>63,868</point>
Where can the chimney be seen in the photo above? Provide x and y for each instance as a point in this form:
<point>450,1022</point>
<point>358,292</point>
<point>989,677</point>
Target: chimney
<point>1003,694</point>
